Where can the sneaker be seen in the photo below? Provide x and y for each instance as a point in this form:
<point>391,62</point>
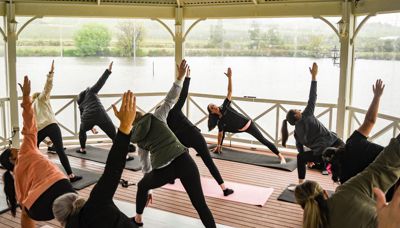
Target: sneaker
<point>139,224</point>
<point>132,148</point>
<point>75,178</point>
<point>292,188</point>
<point>325,172</point>
<point>80,151</point>
<point>129,158</point>
<point>228,191</point>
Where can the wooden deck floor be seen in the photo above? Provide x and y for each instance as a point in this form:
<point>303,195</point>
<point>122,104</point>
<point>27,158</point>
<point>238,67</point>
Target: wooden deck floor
<point>274,213</point>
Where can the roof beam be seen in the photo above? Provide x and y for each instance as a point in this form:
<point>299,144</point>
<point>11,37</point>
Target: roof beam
<point>377,7</point>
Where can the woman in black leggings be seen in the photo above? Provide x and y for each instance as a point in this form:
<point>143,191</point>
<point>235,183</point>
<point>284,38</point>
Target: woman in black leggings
<point>189,135</point>
<point>47,123</point>
<point>230,120</point>
<point>99,209</point>
<point>169,158</point>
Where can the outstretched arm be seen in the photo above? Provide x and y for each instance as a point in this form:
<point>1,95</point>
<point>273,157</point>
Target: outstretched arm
<point>184,92</point>
<point>312,98</point>
<point>372,113</point>
<point>102,80</point>
<point>229,75</point>
<point>49,84</point>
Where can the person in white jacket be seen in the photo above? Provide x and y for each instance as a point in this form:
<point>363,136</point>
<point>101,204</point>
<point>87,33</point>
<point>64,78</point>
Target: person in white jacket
<point>47,124</point>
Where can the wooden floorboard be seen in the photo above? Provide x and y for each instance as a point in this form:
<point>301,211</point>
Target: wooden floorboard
<point>274,213</point>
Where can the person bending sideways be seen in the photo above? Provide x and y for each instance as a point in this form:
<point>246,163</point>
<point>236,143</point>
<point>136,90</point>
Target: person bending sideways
<point>99,209</point>
<point>353,203</point>
<point>229,120</point>
<point>47,123</point>
<point>31,181</point>
<point>309,132</point>
<point>169,158</point>
<point>189,135</point>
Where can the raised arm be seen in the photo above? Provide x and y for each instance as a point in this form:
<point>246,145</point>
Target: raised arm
<point>312,98</point>
<point>105,188</point>
<point>184,92</point>
<point>161,112</point>
<point>102,80</point>
<point>372,113</point>
<point>29,130</point>
<point>229,75</point>
<point>49,84</point>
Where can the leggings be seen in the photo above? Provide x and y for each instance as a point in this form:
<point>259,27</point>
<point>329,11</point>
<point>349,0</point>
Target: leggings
<point>191,137</point>
<point>253,130</point>
<point>184,168</point>
<point>105,124</point>
<point>54,133</point>
<point>42,208</point>
<point>308,156</point>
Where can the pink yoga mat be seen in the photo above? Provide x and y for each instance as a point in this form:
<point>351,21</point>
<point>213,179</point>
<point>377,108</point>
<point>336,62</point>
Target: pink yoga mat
<point>244,193</point>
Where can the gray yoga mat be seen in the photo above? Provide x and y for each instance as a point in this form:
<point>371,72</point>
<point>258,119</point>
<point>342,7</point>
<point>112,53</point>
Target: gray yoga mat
<point>231,154</point>
<point>100,155</point>
<point>88,177</point>
<point>288,196</point>
<point>3,203</point>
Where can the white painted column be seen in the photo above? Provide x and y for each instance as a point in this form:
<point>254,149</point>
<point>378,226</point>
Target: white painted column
<point>179,34</point>
<point>346,71</point>
<point>11,74</point>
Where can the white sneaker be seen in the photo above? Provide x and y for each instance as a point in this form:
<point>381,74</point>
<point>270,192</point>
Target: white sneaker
<point>283,161</point>
<point>292,188</point>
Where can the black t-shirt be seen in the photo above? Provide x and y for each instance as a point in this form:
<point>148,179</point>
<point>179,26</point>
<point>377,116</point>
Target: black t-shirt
<point>359,153</point>
<point>231,120</point>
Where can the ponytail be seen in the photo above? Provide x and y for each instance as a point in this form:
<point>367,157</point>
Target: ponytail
<point>310,196</point>
<point>9,190</point>
<point>284,132</point>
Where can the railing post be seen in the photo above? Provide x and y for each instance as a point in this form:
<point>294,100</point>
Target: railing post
<point>346,31</point>
<point>179,42</point>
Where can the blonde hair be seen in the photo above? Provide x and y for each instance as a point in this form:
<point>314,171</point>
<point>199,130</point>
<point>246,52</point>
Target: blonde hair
<point>310,196</point>
<point>66,205</point>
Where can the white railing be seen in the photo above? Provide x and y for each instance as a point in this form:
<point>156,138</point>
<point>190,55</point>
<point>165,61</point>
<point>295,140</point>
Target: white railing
<point>386,126</point>
<point>4,126</point>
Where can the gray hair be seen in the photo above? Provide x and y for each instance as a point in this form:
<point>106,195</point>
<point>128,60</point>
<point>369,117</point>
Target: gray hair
<point>66,205</point>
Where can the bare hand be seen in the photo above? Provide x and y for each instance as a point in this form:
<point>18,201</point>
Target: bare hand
<point>149,199</point>
<point>314,70</point>
<point>229,73</point>
<point>26,88</point>
<point>388,213</point>
<point>188,72</point>
<point>110,66</point>
<point>182,69</point>
<point>310,164</point>
<point>127,112</point>
<point>378,88</point>
<point>52,67</point>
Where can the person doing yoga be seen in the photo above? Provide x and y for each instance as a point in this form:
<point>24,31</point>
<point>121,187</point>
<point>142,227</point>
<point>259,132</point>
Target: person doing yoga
<point>99,209</point>
<point>353,203</point>
<point>309,132</point>
<point>47,124</point>
<point>189,135</point>
<point>169,158</point>
<point>229,120</point>
<point>31,181</point>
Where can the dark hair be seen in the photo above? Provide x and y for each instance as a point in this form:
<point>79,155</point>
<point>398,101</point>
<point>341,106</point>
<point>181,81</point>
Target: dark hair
<point>333,156</point>
<point>291,118</point>
<point>8,179</point>
<point>212,119</point>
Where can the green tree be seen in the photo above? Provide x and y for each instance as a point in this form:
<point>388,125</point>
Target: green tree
<point>315,45</point>
<point>273,37</point>
<point>92,39</point>
<point>130,38</point>
<point>216,35</point>
<point>254,35</point>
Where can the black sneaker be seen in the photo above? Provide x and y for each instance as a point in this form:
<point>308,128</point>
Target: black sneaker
<point>130,158</point>
<point>228,191</point>
<point>80,152</point>
<point>75,178</point>
<point>139,224</point>
<point>132,148</point>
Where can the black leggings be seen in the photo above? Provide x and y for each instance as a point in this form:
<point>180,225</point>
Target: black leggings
<point>184,168</point>
<point>308,156</point>
<point>105,124</point>
<point>54,133</point>
<point>42,208</point>
<point>191,137</point>
<point>253,130</point>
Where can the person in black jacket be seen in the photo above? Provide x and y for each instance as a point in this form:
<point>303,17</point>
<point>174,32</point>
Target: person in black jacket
<point>230,120</point>
<point>99,209</point>
<point>189,135</point>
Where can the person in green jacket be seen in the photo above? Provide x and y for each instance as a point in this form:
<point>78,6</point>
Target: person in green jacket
<point>353,203</point>
<point>164,158</point>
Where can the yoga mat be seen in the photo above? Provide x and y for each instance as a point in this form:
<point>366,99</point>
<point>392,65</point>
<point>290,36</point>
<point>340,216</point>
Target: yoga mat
<point>3,203</point>
<point>154,218</point>
<point>88,177</point>
<point>288,196</point>
<point>243,193</point>
<point>100,155</point>
<point>231,154</point>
